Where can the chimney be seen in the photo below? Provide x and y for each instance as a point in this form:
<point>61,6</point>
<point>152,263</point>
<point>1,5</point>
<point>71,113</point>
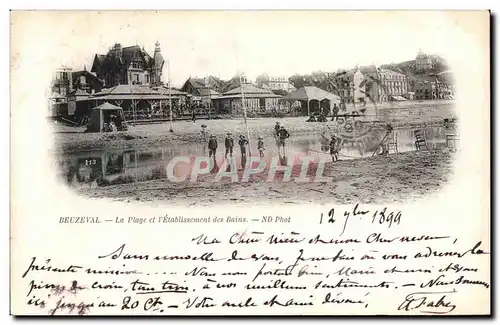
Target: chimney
<point>117,49</point>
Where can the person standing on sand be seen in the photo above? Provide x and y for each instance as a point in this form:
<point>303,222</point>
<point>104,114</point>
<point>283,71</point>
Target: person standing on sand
<point>229,144</point>
<point>212,146</point>
<point>335,112</point>
<point>243,143</point>
<point>283,135</point>
<point>276,128</point>
<point>334,150</point>
<point>260,147</point>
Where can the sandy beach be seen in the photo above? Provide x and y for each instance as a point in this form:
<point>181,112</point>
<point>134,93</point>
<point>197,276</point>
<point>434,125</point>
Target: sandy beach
<point>380,179</point>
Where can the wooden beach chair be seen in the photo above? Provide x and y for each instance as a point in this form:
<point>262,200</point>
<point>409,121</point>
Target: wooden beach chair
<point>420,141</point>
<point>392,143</point>
<point>452,138</point>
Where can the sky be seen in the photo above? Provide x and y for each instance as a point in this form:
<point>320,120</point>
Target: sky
<point>222,43</point>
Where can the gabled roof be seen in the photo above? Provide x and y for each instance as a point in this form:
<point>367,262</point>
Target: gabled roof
<point>200,82</point>
<point>76,74</point>
<point>311,93</point>
<point>79,92</point>
<point>208,92</point>
<point>131,52</point>
<point>107,106</point>
<point>98,60</point>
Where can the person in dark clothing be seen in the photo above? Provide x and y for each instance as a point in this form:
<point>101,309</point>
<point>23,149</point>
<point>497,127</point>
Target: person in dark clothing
<point>335,112</point>
<point>229,144</point>
<point>334,151</point>
<point>276,128</point>
<point>194,115</point>
<point>243,143</point>
<point>212,146</point>
<point>260,147</point>
<point>282,136</point>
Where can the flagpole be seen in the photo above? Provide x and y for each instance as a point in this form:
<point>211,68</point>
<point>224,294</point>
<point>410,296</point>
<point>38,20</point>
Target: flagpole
<point>209,97</point>
<point>245,114</point>
<point>132,96</point>
<point>170,97</point>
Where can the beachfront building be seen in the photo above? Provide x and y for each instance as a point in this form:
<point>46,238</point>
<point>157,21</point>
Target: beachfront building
<point>77,101</point>
<point>312,100</point>
<point>274,83</point>
<point>423,62</point>
<point>280,83</point>
<point>86,81</point>
<point>202,94</point>
<point>61,87</point>
<point>425,87</point>
<point>256,100</point>
<point>369,83</point>
<point>138,102</point>
<point>393,86</point>
<point>129,65</point>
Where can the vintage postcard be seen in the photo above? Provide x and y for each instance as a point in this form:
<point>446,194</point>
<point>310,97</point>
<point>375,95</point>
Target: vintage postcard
<point>250,163</point>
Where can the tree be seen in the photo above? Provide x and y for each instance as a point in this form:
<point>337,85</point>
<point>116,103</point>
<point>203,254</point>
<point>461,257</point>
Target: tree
<point>298,81</point>
<point>263,79</point>
<point>281,92</point>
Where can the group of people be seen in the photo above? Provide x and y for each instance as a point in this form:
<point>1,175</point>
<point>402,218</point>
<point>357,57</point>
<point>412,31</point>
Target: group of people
<point>229,145</point>
<point>280,133</point>
<point>321,117</point>
<point>114,124</point>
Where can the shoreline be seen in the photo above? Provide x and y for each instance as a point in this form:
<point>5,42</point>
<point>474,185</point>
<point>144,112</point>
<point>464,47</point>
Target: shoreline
<point>73,139</point>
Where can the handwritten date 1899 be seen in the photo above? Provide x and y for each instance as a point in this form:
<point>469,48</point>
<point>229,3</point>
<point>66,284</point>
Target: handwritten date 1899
<point>380,216</point>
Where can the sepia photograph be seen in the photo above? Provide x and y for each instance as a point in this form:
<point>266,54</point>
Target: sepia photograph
<point>245,115</point>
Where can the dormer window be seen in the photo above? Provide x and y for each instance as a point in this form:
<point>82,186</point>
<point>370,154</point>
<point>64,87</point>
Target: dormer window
<point>136,65</point>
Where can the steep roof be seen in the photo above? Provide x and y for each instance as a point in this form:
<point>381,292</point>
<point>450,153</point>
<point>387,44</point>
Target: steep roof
<point>76,74</point>
<point>79,92</point>
<point>130,52</point>
<point>98,61</point>
<point>107,106</point>
<point>200,82</point>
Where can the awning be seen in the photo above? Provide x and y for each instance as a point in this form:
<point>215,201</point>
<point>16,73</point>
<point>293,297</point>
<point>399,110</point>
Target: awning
<point>399,98</point>
<point>131,97</point>
<point>311,93</point>
<point>247,96</point>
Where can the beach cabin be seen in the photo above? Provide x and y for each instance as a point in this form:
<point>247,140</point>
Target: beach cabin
<point>102,114</point>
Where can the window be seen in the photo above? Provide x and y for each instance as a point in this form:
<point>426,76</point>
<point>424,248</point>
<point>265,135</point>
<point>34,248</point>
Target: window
<point>136,65</point>
<point>147,78</point>
<point>82,80</point>
<point>136,77</point>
